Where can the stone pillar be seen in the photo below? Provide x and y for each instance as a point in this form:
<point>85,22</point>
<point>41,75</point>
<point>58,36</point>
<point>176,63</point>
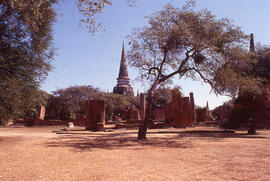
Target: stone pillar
<point>142,105</point>
<point>41,113</point>
<point>192,106</point>
<point>95,115</point>
<point>251,44</point>
<point>176,110</point>
<point>186,112</point>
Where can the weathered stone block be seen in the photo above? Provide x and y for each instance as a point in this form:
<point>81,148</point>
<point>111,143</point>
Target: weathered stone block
<point>95,115</point>
<point>131,113</point>
<point>187,119</point>
<point>177,110</point>
<point>192,106</point>
<point>41,113</point>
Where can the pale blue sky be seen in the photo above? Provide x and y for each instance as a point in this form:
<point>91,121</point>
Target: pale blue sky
<point>83,59</point>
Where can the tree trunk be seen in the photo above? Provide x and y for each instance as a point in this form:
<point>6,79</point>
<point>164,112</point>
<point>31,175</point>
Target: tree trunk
<point>144,125</point>
<point>142,131</point>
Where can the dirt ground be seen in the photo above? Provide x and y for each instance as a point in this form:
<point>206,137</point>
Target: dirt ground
<point>201,153</point>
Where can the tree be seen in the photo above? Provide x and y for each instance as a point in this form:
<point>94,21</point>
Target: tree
<point>26,48</point>
<point>187,43</point>
<point>90,8</point>
<point>227,110</point>
<point>25,53</point>
<point>115,103</point>
<point>262,69</point>
<point>162,97</point>
<point>252,108</point>
<point>72,100</point>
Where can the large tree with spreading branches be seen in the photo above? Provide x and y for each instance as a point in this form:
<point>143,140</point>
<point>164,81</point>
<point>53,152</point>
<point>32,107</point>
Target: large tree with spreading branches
<point>26,48</point>
<point>188,43</point>
<point>25,53</point>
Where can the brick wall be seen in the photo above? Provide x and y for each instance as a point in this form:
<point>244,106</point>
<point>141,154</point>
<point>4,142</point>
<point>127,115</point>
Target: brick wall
<point>95,115</point>
<point>201,115</point>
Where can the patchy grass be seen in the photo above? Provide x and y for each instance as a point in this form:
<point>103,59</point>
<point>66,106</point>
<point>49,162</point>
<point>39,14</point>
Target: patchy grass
<point>200,153</point>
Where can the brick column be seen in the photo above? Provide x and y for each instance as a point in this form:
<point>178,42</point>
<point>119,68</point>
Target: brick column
<point>193,111</point>
<point>41,113</point>
<point>186,112</point>
<point>177,110</point>
<point>95,115</point>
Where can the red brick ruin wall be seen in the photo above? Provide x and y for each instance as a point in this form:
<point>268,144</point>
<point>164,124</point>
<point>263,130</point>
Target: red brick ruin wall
<point>187,117</point>
<point>95,115</point>
<point>168,111</point>
<point>201,115</point>
<point>159,114</point>
<point>80,120</point>
<point>131,113</point>
<point>40,122</point>
<point>179,113</point>
<point>258,109</point>
<point>176,110</point>
<point>192,106</point>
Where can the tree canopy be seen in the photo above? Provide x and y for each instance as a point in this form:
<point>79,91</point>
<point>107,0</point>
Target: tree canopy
<point>90,8</point>
<point>262,69</point>
<point>72,100</point>
<point>251,108</point>
<point>188,43</point>
<point>25,53</point>
<point>26,48</point>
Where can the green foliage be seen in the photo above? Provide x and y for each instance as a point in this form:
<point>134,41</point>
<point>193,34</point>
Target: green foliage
<point>262,69</point>
<point>26,50</point>
<point>72,100</point>
<point>162,97</point>
<point>189,43</point>
<point>89,8</point>
<point>249,108</point>
<point>37,99</point>
<point>25,53</point>
<point>227,106</point>
<point>115,103</point>
<point>255,74</point>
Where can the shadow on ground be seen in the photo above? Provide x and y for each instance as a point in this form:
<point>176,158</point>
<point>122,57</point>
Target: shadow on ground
<point>128,140</point>
<point>115,141</point>
<point>214,134</point>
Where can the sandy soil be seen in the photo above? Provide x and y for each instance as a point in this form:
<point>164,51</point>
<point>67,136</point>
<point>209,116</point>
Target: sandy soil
<point>200,153</point>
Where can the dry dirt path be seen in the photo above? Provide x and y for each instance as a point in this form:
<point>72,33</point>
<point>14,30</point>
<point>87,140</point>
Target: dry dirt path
<point>170,154</point>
